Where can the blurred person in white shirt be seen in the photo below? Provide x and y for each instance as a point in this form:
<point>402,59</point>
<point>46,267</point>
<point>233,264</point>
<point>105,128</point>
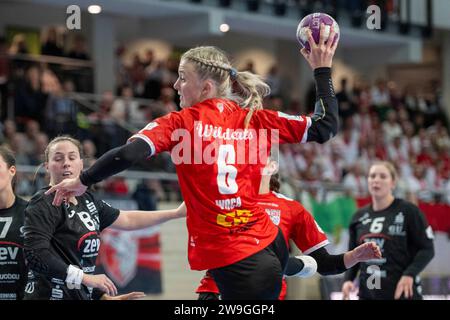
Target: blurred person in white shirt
<point>397,151</point>
<point>355,181</point>
<point>125,109</point>
<point>418,184</point>
<point>348,140</point>
<point>391,128</point>
<point>380,94</point>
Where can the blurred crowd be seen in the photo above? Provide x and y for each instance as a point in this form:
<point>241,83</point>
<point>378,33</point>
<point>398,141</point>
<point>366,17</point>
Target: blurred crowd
<point>378,121</point>
<point>381,122</point>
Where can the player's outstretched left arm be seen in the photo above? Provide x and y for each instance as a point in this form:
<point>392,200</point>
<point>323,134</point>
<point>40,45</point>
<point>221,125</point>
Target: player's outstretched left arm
<point>328,264</point>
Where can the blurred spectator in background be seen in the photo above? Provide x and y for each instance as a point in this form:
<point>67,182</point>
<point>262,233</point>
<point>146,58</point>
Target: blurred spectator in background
<point>172,67</point>
<point>446,187</point>
<point>355,181</point>
<point>104,108</point>
<point>407,139</point>
<point>417,183</point>
<point>346,105</point>
<point>273,79</point>
<point>396,150</point>
<point>145,195</point>
<point>380,98</point>
<point>137,76</point>
<point>149,61</point>
<point>287,162</point>
<point>32,129</point>
<point>9,131</point>
<point>29,100</point>
<point>333,165</point>
<point>125,110</point>
<point>89,152</point>
<point>18,45</point>
<point>51,47</point>
<point>395,95</point>
<point>348,143</point>
<point>122,75</point>
<point>40,144</point>
<point>164,105</point>
<point>154,81</point>
<point>60,112</point>
<point>419,140</point>
<point>362,121</point>
<point>4,78</point>
<point>15,141</point>
<point>78,50</point>
<point>105,132</point>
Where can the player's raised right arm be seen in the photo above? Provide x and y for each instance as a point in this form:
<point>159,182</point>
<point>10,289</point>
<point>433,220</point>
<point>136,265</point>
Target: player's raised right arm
<point>325,120</point>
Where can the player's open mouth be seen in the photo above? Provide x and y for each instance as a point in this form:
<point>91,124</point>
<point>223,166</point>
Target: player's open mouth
<point>66,174</point>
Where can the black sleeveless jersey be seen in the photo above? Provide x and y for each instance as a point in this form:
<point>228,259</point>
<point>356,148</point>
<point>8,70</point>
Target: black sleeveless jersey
<point>68,234</point>
<point>400,230</point>
<point>13,271</point>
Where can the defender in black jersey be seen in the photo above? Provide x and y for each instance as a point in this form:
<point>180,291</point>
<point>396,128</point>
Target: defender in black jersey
<point>13,271</point>
<point>63,236</point>
<point>401,231</point>
<point>62,243</point>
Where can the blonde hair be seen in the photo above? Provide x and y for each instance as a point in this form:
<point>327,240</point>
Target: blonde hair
<point>388,165</point>
<point>246,88</point>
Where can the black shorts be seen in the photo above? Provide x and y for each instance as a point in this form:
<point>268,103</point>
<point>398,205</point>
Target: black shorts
<point>208,296</point>
<point>257,277</point>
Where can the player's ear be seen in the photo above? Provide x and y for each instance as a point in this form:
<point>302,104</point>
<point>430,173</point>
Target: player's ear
<point>208,89</point>
<point>12,170</point>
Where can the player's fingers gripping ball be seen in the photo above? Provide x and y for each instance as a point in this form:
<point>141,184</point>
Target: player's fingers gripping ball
<point>312,22</point>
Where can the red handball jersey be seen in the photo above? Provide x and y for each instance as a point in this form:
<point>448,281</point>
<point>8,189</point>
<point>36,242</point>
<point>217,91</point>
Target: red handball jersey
<point>296,223</point>
<point>294,220</point>
<point>219,165</point>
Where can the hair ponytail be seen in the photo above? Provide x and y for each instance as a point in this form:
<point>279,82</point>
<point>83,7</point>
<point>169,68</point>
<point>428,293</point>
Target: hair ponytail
<point>246,88</point>
<point>251,90</point>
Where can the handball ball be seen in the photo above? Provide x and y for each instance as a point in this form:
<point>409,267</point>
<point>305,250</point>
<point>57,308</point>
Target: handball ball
<point>312,22</point>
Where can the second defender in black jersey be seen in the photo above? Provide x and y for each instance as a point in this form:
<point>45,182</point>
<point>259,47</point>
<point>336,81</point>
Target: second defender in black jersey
<point>401,231</point>
<point>13,271</point>
<point>62,243</point>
